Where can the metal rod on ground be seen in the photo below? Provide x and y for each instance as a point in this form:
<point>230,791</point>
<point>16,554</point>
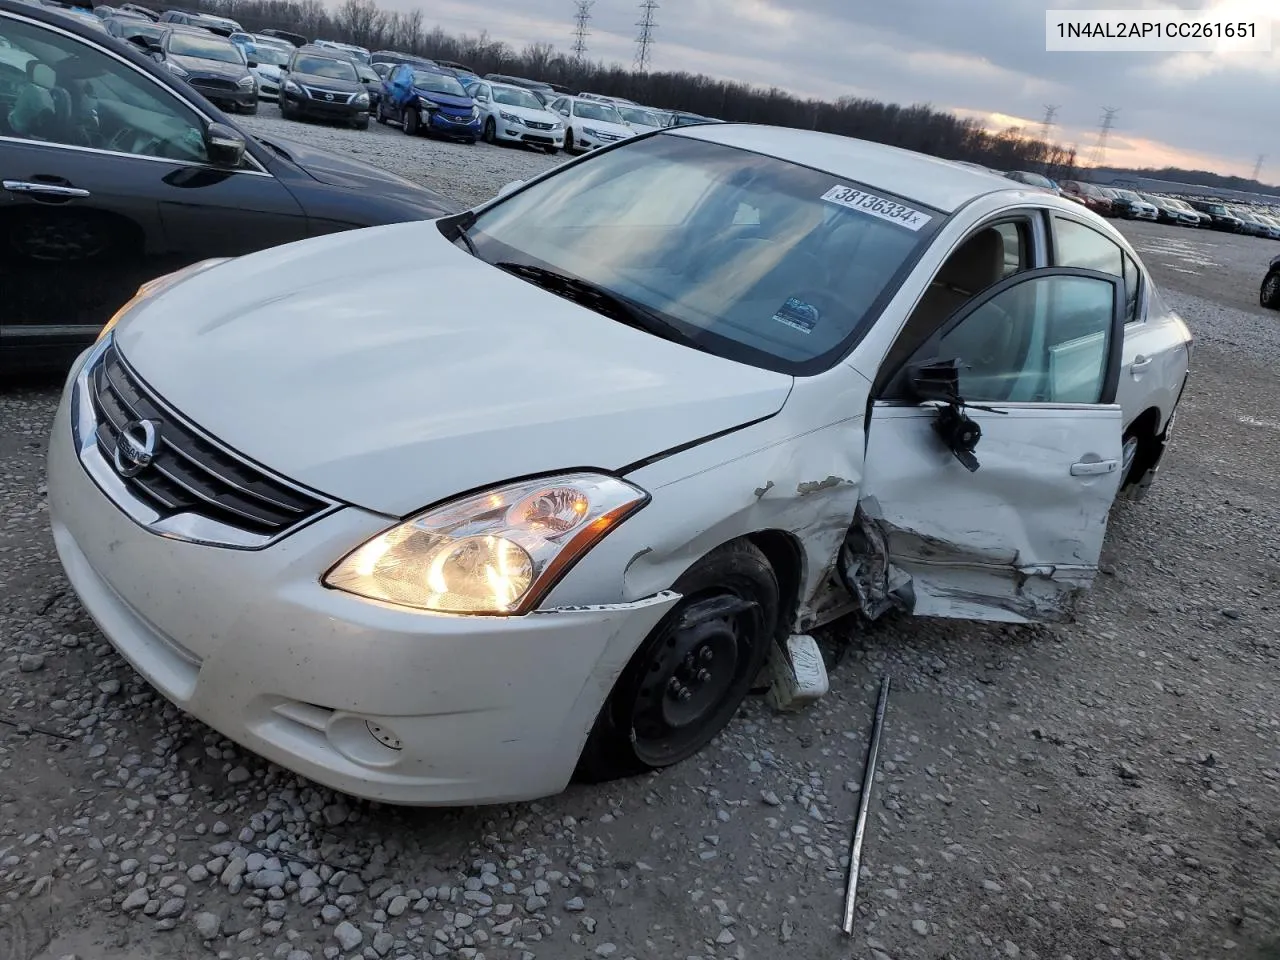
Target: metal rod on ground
<point>864,802</point>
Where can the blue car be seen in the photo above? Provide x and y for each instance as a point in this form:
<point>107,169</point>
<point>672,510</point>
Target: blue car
<point>423,100</point>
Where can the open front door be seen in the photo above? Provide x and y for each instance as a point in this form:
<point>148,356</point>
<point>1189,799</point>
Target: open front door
<point>1006,524</point>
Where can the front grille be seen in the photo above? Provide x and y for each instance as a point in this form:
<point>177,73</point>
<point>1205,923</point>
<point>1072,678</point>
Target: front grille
<point>536,125</point>
<point>190,474</point>
<point>324,95</point>
<point>214,83</point>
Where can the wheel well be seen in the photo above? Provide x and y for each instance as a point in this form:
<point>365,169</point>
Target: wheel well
<point>1144,427</point>
<point>1145,424</point>
<point>783,552</point>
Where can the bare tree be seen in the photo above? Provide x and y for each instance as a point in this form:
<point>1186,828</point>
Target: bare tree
<point>361,20</point>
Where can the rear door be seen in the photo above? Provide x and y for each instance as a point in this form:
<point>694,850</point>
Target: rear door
<point>1018,536</point>
<point>106,184</point>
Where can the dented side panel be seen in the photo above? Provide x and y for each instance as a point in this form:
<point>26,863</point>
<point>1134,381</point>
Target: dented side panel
<point>1015,541</point>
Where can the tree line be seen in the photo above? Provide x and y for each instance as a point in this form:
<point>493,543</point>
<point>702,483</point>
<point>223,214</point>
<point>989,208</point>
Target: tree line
<point>918,127</point>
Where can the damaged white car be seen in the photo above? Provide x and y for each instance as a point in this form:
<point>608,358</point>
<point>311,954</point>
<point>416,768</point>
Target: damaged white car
<point>723,384</point>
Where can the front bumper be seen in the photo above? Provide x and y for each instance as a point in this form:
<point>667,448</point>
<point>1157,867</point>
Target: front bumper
<point>227,98</point>
<point>435,121</point>
<point>268,90</point>
<point>518,133</point>
<point>323,109</point>
<point>366,698</point>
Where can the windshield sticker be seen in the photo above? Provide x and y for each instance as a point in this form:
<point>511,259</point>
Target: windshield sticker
<point>889,210</point>
<point>798,315</point>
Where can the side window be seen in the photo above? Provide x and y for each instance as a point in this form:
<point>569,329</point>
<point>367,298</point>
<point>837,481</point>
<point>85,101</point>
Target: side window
<point>1016,238</point>
<point>1076,245</point>
<point>69,92</point>
<point>1046,340</point>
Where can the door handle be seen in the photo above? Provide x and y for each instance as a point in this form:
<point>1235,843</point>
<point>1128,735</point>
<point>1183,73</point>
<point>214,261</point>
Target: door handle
<point>44,189</point>
<point>1140,363</point>
<point>1093,468</point>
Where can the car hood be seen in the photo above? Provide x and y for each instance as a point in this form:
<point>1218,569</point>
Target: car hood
<point>267,70</point>
<point>197,66</point>
<point>365,365</point>
<point>327,84</point>
<point>604,126</point>
<point>445,99</point>
<point>526,113</point>
<point>340,171</point>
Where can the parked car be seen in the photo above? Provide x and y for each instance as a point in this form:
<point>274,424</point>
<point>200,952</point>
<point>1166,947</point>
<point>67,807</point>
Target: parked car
<point>545,92</point>
<point>355,52</point>
<point>296,39</point>
<point>1167,211</point>
<point>1195,217</point>
<point>423,100</point>
<point>681,118</point>
<point>1272,222</point>
<point>1221,217</point>
<point>394,59</point>
<point>1133,207</point>
<point>1034,180</point>
<point>589,123</point>
<point>322,84</point>
<point>779,432</point>
<point>139,10</point>
<point>1249,224</point>
<point>213,65</point>
<point>1090,195</point>
<point>466,76</point>
<point>142,32</point>
<point>1269,295</point>
<point>219,25</point>
<point>372,84</point>
<point>272,57</point>
<point>642,119</point>
<point>162,179</point>
<point>510,114</point>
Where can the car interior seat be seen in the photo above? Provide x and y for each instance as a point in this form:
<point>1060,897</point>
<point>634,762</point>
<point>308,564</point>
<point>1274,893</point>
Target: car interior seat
<point>977,264</point>
<point>42,110</point>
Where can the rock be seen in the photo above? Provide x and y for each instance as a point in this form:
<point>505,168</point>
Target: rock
<point>330,914</point>
<point>606,950</point>
<point>534,903</point>
<point>335,814</point>
<point>238,775</point>
<point>41,885</point>
<point>135,900</point>
<point>397,906</point>
<point>770,798</point>
<point>198,874</point>
<point>992,887</point>
<point>463,920</point>
<point>266,879</point>
<point>30,662</point>
<point>348,935</point>
<point>207,924</point>
<point>575,905</point>
<point>785,931</point>
<point>1126,771</point>
<point>351,884</point>
<point>920,926</point>
<point>383,942</point>
<point>724,938</point>
<point>172,907</point>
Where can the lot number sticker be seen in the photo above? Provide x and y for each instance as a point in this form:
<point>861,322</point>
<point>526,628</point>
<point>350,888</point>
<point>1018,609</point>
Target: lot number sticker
<point>885,209</point>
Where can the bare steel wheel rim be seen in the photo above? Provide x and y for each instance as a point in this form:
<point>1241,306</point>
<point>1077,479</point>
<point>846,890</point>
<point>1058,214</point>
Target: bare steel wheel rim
<point>695,678</point>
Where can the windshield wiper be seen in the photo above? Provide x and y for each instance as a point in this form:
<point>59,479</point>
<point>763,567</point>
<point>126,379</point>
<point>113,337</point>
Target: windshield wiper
<point>602,301</point>
<point>274,147</point>
<point>460,227</point>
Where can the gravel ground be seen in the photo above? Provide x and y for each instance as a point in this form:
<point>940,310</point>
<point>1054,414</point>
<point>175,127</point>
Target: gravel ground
<point>1109,788</point>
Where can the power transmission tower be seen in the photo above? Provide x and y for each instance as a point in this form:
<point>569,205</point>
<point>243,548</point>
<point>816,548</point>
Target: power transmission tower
<point>581,17</point>
<point>644,40</point>
<point>1046,127</point>
<point>1104,131</point>
<point>1257,167</point>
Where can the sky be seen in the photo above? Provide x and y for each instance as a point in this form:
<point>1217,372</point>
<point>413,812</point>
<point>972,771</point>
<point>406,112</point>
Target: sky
<point>980,58</point>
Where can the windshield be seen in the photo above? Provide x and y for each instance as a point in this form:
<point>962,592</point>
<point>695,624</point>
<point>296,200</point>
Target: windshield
<point>747,256</point>
<point>366,74</point>
<point>326,67</point>
<point>642,117</point>
<point>513,97</point>
<point>1127,195</point>
<point>596,111</point>
<point>206,48</point>
<point>438,83</point>
<point>270,54</point>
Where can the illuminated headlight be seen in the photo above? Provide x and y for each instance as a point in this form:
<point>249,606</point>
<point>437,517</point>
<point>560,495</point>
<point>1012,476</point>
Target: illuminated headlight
<point>292,87</point>
<point>511,118</point>
<point>362,99</point>
<point>496,552</point>
<point>246,82</point>
<point>153,288</point>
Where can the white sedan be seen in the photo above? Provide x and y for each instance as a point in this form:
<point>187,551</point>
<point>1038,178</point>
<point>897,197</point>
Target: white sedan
<point>729,382</point>
<point>269,55</point>
<point>589,123</point>
<point>643,119</point>
<point>512,114</point>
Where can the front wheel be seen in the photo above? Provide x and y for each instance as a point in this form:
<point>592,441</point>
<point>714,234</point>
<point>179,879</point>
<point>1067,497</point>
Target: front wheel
<point>411,121</point>
<point>1269,296</point>
<point>490,131</point>
<point>362,123</point>
<point>568,142</point>
<point>689,676</point>
<point>251,110</point>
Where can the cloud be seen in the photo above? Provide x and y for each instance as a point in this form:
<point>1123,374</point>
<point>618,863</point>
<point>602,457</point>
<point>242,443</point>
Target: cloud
<point>979,57</point>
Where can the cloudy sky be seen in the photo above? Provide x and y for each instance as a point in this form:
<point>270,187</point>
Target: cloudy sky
<point>981,57</point>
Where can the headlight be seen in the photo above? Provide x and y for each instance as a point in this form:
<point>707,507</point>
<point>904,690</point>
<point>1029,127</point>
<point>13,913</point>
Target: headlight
<point>592,133</point>
<point>475,111</point>
<point>362,99</point>
<point>153,288</point>
<point>292,87</point>
<point>496,552</point>
<point>557,125</point>
<point>511,118</point>
<point>246,82</point>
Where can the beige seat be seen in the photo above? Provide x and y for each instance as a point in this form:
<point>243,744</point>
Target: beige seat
<point>975,265</point>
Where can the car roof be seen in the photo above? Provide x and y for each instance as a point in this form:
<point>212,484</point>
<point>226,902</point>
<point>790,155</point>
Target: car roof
<point>938,183</point>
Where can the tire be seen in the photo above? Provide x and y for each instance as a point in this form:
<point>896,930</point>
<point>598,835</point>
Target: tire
<point>285,112</point>
<point>410,122</point>
<point>1269,295</point>
<point>490,131</point>
<point>362,123</point>
<point>687,680</point>
<point>251,110</point>
<point>568,142</point>
<point>381,117</point>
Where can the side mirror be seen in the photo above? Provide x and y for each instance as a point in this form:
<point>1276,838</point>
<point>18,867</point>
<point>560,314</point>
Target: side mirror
<point>935,380</point>
<point>509,187</point>
<point>224,145</point>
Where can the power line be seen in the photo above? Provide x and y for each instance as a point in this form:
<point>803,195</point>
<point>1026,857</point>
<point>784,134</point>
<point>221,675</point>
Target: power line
<point>1104,131</point>
<point>1257,167</point>
<point>1050,111</point>
<point>581,17</point>
<point>644,40</point>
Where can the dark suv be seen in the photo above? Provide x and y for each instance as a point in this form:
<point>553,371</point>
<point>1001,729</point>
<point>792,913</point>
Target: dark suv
<point>324,85</point>
<point>1222,218</point>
